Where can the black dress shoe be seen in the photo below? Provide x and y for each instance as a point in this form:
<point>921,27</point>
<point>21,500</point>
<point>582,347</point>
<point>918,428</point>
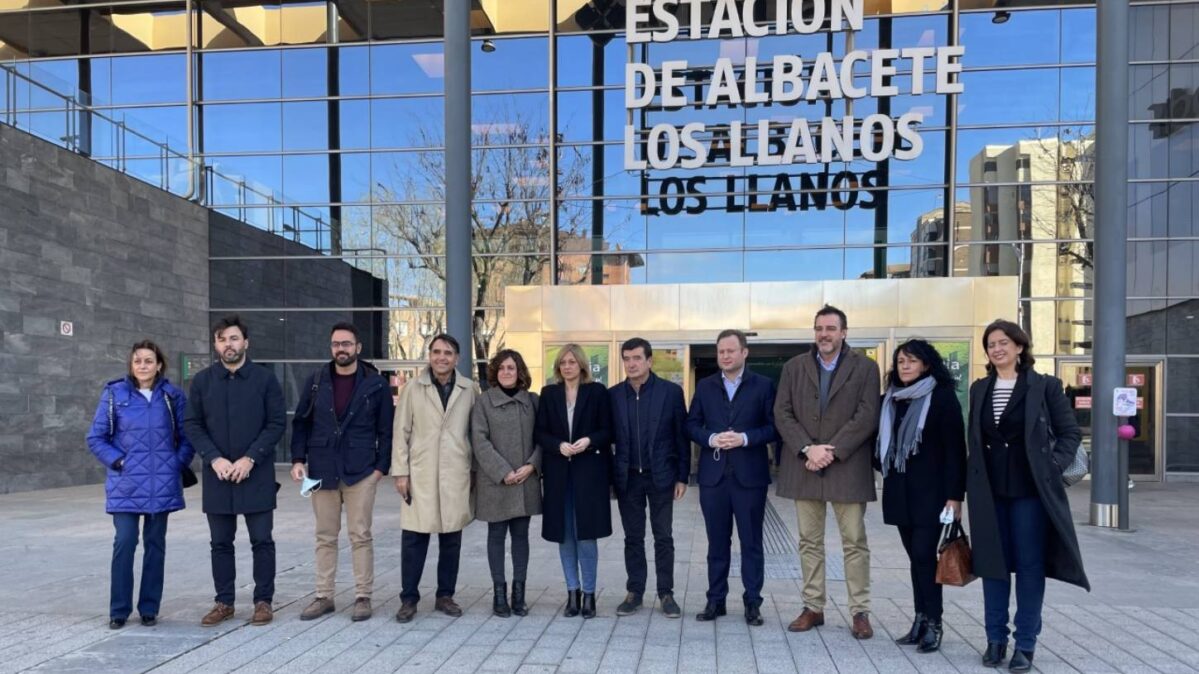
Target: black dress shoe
<point>1021,661</point>
<point>149,620</point>
<point>116,623</point>
<point>914,634</point>
<point>995,654</point>
<point>753,615</point>
<point>587,608</point>
<point>573,599</point>
<point>711,611</point>
<point>930,640</point>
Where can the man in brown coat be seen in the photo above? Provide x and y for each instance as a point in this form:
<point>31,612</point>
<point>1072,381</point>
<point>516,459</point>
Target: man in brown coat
<point>827,414</point>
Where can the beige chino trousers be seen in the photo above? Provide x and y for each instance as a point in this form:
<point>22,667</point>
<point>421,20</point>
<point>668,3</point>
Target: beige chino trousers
<point>359,503</point>
<point>851,521</point>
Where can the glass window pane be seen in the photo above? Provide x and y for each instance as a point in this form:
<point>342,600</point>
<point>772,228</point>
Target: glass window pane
<point>407,176</point>
<point>1183,452</point>
<point>306,178</point>
<point>574,61</point>
<point>355,170</point>
<point>618,224</point>
<point>878,262</point>
<point>407,68</point>
<point>148,79</point>
<point>1182,374</point>
<point>815,225</point>
<point>407,122</point>
<point>1183,261</point>
<point>1163,150</point>
<point>241,127</point>
<point>990,43</point>
<point>509,119</point>
<point>240,75</point>
<point>1028,154</point>
<point>895,216</point>
<point>510,227</point>
<point>259,173</point>
<point>1078,35</point>
<point>692,268</point>
<point>494,69</point>
<point>795,265</point>
<point>305,72</point>
<point>988,96</point>
<point>306,125</point>
<point>353,68</point>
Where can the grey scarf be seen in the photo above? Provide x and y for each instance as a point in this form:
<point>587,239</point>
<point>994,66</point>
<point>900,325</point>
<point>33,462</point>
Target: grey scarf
<point>911,428</point>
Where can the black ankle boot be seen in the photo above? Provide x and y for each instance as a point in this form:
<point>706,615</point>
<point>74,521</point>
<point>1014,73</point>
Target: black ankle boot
<point>589,605</point>
<point>518,598</point>
<point>914,634</point>
<point>499,604</point>
<point>995,654</point>
<point>930,641</point>
<point>573,599</point>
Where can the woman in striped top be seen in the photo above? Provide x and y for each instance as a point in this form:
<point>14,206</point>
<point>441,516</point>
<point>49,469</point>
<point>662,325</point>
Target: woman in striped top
<point>1022,435</point>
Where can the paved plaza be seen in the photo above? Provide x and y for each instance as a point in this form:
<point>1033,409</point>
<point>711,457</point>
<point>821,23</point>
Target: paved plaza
<point>1143,615</point>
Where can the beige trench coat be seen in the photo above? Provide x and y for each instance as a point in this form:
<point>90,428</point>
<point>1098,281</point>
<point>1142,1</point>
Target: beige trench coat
<point>432,447</point>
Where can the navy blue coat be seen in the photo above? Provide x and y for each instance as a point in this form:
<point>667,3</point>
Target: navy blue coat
<point>352,449</point>
<point>232,415</point>
<point>751,412</point>
<point>669,449</point>
<point>150,441</point>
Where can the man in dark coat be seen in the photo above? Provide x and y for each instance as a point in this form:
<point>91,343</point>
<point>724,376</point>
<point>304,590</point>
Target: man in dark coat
<point>652,457</point>
<point>732,420</point>
<point>341,436</point>
<point>827,413</point>
<point>235,418</point>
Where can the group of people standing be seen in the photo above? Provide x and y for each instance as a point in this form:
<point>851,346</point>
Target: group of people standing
<point>506,454</point>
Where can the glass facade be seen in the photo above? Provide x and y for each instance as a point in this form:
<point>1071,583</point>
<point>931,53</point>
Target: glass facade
<point>323,122</point>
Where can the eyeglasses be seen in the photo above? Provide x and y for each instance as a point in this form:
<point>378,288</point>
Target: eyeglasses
<point>343,345</point>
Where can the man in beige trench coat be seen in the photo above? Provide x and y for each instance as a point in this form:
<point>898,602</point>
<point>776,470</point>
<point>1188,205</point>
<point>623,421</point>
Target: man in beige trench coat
<point>826,412</point>
<point>431,462</point>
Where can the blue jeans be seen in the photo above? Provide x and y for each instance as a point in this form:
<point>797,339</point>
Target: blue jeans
<point>154,536</point>
<point>1022,530</point>
<point>577,555</point>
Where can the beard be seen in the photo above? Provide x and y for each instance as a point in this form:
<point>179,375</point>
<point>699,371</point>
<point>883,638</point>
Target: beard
<point>231,356</point>
<point>344,359</point>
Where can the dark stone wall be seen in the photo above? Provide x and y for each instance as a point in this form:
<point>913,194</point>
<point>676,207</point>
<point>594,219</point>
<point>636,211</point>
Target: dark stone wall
<point>122,261</point>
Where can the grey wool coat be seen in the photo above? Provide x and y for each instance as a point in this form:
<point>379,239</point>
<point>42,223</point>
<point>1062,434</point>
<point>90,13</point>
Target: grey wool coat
<point>849,423</point>
<point>502,441</point>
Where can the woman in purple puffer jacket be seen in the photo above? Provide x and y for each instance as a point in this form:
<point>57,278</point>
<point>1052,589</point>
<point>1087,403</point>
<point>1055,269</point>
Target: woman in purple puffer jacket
<point>137,434</point>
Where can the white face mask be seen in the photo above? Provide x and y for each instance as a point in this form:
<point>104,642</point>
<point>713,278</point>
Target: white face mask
<point>308,486</point>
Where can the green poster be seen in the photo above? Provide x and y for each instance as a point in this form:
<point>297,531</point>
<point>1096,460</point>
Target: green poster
<point>957,358</point>
<point>597,357</point>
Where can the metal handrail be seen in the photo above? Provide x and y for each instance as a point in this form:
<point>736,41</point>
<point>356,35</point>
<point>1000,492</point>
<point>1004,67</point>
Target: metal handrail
<point>250,198</point>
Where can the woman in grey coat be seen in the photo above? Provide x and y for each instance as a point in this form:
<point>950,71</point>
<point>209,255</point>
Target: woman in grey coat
<point>508,465</point>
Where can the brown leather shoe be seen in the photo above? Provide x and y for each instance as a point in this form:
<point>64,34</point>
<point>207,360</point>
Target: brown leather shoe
<point>806,621</point>
<point>219,614</point>
<point>362,610</point>
<point>262,613</point>
<point>407,612</point>
<point>447,606</point>
<point>861,626</point>
<point>319,607</point>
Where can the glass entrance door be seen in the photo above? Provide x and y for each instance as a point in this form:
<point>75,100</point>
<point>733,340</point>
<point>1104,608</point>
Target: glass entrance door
<point>1144,450</point>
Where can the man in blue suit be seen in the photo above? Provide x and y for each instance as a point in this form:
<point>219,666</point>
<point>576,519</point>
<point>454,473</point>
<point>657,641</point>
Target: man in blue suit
<point>732,418</point>
<point>652,458</point>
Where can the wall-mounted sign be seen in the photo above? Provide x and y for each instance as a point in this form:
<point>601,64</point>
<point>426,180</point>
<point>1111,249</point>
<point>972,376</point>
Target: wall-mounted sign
<point>956,354</point>
<point>597,361</point>
<point>785,79</point>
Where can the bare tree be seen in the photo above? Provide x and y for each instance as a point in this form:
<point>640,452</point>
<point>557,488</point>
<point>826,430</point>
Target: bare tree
<point>510,218</point>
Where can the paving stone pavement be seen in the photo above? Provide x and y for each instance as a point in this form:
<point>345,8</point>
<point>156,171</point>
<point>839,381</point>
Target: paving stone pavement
<point>1143,615</point>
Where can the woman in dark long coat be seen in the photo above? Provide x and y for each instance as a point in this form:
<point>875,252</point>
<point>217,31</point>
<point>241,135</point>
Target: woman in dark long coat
<point>1022,436</point>
<point>574,433</point>
<point>921,451</point>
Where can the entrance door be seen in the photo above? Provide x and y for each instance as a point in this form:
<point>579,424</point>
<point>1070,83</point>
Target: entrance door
<point>765,359</point>
<point>1144,450</point>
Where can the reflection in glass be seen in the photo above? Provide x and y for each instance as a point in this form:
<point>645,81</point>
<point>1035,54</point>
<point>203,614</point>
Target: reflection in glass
<point>242,127</point>
<point>795,265</point>
<point>240,75</point>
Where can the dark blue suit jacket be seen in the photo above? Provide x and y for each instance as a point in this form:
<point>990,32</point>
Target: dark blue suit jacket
<point>750,412</point>
<point>669,450</point>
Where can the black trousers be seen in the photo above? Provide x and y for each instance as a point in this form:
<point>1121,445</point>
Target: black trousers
<point>640,492</point>
<point>223,529</point>
<point>496,533</point>
<point>921,544</point>
<point>414,549</point>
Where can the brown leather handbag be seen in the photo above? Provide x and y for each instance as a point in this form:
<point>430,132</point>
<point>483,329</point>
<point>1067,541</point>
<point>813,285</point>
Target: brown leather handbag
<point>954,566</point>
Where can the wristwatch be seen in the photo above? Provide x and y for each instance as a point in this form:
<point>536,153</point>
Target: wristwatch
<point>804,450</point>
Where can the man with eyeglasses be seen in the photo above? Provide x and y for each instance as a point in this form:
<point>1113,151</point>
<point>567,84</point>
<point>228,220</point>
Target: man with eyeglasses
<point>732,420</point>
<point>341,436</point>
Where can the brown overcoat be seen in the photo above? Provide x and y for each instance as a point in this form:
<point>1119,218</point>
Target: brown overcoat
<point>849,423</point>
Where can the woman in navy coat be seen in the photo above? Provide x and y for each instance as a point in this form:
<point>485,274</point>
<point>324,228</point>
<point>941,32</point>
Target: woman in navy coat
<point>137,434</point>
<point>574,431</point>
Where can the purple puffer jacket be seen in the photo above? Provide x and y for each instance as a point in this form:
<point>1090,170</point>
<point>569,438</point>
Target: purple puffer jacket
<point>141,433</point>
